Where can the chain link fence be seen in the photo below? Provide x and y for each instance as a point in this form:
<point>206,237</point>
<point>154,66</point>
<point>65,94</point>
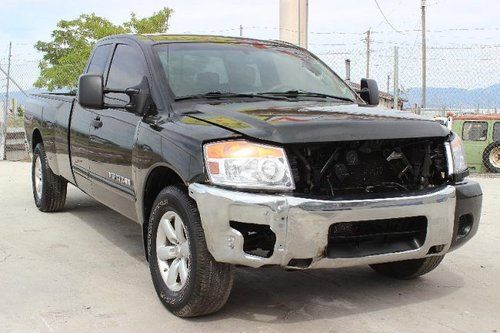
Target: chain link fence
<point>461,79</point>
<point>13,106</point>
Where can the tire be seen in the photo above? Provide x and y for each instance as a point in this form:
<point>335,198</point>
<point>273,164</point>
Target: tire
<point>49,190</point>
<point>408,269</point>
<point>207,284</point>
<point>491,157</point>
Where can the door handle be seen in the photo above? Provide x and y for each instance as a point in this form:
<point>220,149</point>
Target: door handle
<point>97,123</point>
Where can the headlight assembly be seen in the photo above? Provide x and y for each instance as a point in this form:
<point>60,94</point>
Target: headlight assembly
<point>457,163</point>
<point>244,164</point>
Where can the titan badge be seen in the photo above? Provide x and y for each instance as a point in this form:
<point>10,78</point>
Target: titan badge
<point>119,179</point>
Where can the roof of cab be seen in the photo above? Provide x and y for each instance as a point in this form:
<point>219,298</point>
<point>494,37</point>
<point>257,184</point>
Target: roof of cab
<point>168,38</point>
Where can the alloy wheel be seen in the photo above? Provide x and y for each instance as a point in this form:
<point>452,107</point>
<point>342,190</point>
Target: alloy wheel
<point>38,177</point>
<point>172,251</point>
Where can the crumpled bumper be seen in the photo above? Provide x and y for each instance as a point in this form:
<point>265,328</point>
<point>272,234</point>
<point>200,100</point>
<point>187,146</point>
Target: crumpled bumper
<point>302,226</point>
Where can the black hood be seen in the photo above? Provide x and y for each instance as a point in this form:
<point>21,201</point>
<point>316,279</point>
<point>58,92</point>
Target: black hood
<point>299,122</point>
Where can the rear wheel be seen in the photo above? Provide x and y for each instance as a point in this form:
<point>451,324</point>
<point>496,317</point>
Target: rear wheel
<point>187,279</point>
<point>49,190</point>
<point>491,157</point>
<point>408,269</point>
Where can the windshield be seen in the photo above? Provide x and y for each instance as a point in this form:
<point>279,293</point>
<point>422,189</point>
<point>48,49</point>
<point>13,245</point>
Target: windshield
<point>200,68</point>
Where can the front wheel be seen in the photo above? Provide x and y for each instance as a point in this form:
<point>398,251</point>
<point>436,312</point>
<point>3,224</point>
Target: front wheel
<point>49,190</point>
<point>408,269</point>
<point>187,279</point>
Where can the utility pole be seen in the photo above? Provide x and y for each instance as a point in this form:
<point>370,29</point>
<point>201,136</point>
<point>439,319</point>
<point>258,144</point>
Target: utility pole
<point>424,58</point>
<point>241,30</point>
<point>368,33</point>
<point>3,123</point>
<point>299,32</point>
<point>396,78</point>
<point>293,21</point>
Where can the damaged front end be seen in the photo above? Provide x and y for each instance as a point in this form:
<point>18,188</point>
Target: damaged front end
<point>377,166</point>
<point>353,203</point>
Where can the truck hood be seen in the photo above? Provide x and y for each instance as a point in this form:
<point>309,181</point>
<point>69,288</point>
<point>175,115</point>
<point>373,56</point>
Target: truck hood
<point>299,122</point>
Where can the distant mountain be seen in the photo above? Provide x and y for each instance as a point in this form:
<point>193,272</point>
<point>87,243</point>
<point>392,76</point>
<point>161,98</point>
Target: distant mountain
<point>19,96</point>
<point>484,98</point>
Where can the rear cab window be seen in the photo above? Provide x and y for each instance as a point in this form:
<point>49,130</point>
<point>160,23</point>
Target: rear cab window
<point>475,131</point>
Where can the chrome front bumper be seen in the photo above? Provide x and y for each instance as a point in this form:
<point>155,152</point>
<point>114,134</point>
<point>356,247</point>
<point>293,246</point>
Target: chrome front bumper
<point>302,225</point>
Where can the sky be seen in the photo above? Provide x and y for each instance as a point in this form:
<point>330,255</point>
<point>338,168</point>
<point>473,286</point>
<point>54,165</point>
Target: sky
<point>336,29</point>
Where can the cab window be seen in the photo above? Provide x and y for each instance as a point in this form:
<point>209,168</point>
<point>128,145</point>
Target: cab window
<point>496,131</point>
<point>200,68</point>
<point>126,70</point>
<point>99,59</point>
<point>475,131</point>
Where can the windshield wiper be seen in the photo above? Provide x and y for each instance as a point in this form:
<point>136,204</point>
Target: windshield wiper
<point>303,93</point>
<point>227,94</point>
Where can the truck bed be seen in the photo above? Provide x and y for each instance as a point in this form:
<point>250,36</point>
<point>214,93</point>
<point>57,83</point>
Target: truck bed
<point>51,114</point>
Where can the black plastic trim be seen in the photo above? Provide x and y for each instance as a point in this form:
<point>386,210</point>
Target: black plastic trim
<point>469,202</point>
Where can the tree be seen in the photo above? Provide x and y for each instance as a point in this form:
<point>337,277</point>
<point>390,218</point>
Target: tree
<point>66,54</point>
<point>20,111</point>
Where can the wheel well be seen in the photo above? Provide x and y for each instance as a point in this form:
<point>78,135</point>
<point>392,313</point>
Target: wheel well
<point>36,139</point>
<point>158,179</point>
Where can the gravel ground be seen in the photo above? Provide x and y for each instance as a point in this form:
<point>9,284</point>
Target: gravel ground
<point>83,270</point>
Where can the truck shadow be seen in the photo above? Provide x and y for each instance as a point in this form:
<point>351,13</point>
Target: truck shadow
<point>119,230</point>
<point>272,295</point>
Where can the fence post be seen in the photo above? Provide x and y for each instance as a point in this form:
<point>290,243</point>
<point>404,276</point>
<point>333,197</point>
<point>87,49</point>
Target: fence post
<point>3,122</point>
<point>396,78</point>
<point>348,70</point>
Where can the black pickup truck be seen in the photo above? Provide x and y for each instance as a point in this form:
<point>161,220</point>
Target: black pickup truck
<point>231,151</point>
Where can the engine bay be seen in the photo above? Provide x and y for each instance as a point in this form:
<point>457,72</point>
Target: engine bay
<point>368,166</point>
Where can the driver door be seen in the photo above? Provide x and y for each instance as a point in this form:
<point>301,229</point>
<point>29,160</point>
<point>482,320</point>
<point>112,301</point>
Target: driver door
<point>113,134</point>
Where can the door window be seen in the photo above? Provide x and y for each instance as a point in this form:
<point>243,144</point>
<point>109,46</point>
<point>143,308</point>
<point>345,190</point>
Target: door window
<point>99,59</point>
<point>496,131</point>
<point>475,131</point>
<point>126,70</point>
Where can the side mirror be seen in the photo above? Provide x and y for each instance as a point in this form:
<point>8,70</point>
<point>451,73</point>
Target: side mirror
<point>140,98</point>
<point>91,91</point>
<point>369,91</point>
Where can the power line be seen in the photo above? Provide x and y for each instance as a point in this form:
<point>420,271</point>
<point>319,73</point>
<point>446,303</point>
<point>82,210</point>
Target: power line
<point>440,30</point>
<point>385,18</point>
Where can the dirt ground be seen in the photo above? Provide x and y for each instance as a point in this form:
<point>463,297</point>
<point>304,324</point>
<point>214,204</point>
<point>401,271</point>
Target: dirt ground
<point>83,270</point>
